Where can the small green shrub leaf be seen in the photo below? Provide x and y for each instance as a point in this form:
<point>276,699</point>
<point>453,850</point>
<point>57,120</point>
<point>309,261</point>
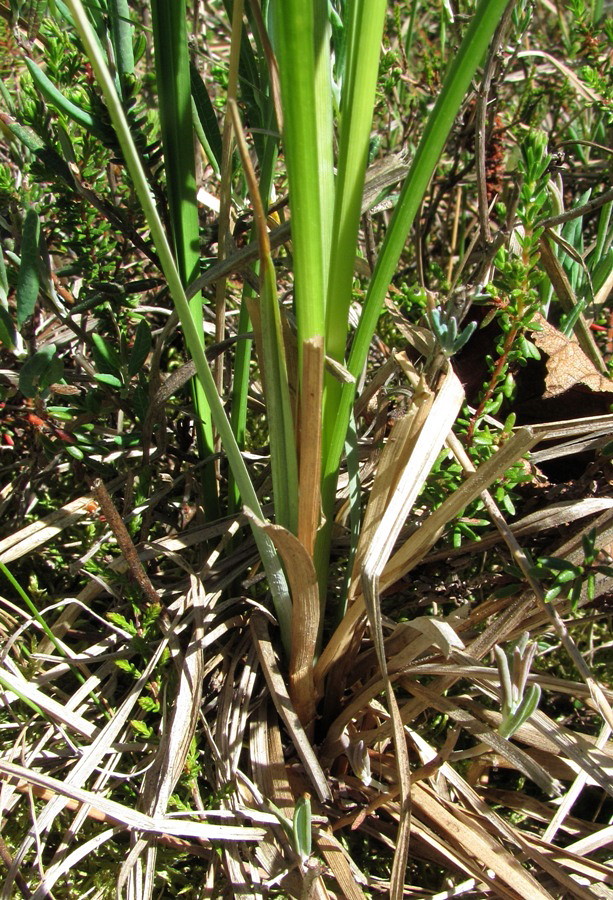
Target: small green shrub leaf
<point>105,356</point>
<point>72,450</point>
<point>302,827</point>
<point>7,329</point>
<point>111,380</point>
<point>141,348</point>
<point>40,370</point>
<point>4,283</point>
<point>27,282</point>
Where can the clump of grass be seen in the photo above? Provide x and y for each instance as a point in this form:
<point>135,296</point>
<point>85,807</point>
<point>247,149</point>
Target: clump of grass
<point>307,629</point>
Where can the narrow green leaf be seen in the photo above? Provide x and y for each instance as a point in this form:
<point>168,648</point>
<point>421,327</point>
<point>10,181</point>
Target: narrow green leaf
<point>284,465</point>
<point>365,29</point>
<point>302,833</point>
<point>207,118</point>
<point>176,121</point>
<point>121,36</point>
<point>193,334</point>
<point>105,356</point>
<point>284,822</point>
<point>27,282</point>
<point>110,380</point>
<point>141,348</point>
<point>522,713</point>
<point>4,284</point>
<point>440,122</point>
<point>294,34</point>
<point>64,105</point>
<point>8,333</point>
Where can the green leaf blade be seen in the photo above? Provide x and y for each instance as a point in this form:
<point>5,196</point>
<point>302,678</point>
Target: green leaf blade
<point>28,282</point>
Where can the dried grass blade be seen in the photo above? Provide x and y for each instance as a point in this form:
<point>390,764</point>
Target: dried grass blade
<point>416,547</point>
<point>602,704</point>
<point>597,764</point>
<point>161,778</point>
<point>573,793</point>
<point>601,838</point>
<point>28,539</point>
<point>91,758</point>
<point>506,831</point>
<point>556,860</point>
<point>393,461</point>
<point>54,872</point>
<point>513,881</point>
<point>268,769</point>
<point>570,428</point>
<point>345,872</point>
<point>267,762</point>
<point>59,712</point>
<point>283,704</point>
<point>437,426</point>
<point>520,760</point>
<point>131,818</point>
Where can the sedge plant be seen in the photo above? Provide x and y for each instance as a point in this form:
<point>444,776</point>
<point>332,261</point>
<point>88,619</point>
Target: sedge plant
<point>325,219</point>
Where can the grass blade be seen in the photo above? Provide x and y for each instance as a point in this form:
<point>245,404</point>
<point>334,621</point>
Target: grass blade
<point>191,331</point>
<point>283,459</point>
<point>294,33</point>
<point>439,124</point>
<point>175,107</point>
<point>121,36</point>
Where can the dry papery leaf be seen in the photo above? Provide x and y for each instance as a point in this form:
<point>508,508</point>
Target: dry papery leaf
<point>567,364</point>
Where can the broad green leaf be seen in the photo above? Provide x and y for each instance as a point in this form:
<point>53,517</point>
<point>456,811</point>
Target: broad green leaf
<point>40,370</point>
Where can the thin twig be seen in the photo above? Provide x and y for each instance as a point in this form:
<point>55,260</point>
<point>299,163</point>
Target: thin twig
<point>126,545</point>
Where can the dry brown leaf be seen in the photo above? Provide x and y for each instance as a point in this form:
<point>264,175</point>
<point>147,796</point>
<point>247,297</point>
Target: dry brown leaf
<point>343,867</point>
<point>512,879</point>
<point>302,579</point>
<point>567,364</point>
<point>284,706</point>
